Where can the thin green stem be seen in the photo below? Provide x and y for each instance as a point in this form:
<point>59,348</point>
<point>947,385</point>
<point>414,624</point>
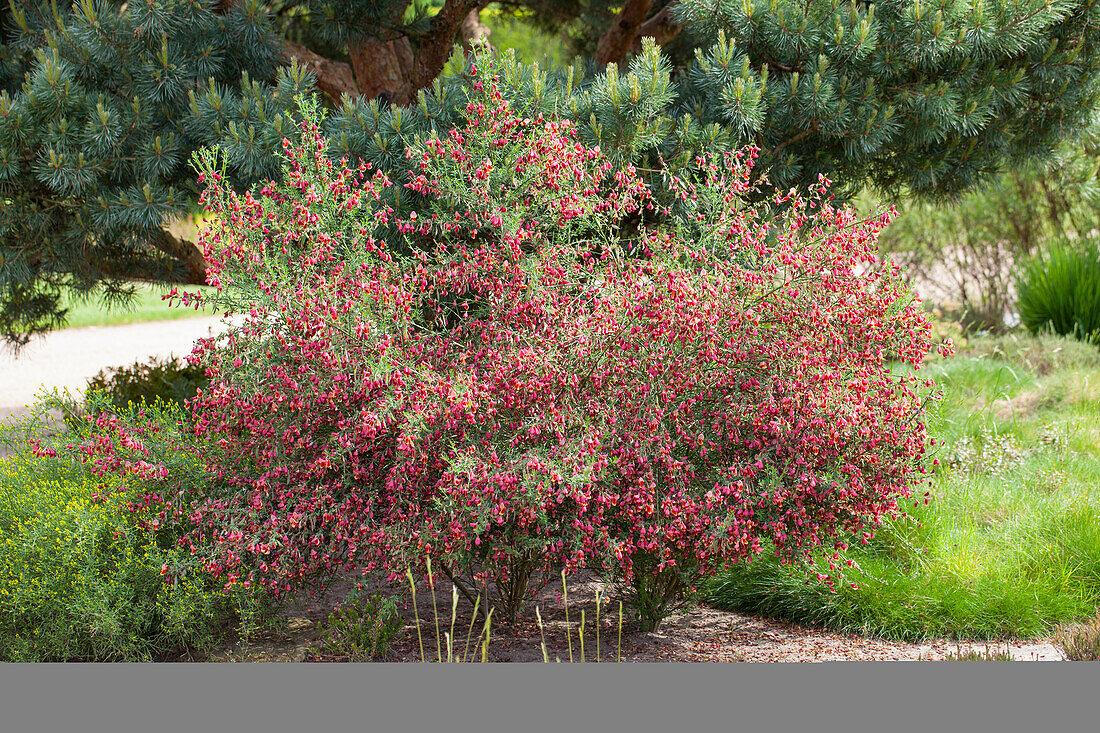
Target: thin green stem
<point>485,646</point>
<point>454,611</point>
<point>435,611</point>
<point>542,637</point>
<point>597,625</point>
<point>470,632</point>
<point>620,655</point>
<point>565,602</point>
<point>416,614</point>
<point>580,634</point>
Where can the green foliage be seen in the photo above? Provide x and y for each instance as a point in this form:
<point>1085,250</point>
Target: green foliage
<point>930,97</point>
<point>362,629</point>
<point>1060,292</point>
<point>1008,545</point>
<point>98,115</point>
<point>515,30</point>
<point>168,380</point>
<point>86,576</point>
<point>654,596</point>
<point>1041,354</point>
<point>147,305</point>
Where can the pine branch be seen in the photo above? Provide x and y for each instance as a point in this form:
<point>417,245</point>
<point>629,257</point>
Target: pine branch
<point>382,68</point>
<point>814,127</point>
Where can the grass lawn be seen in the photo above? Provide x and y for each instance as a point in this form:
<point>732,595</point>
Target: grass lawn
<point>146,306</point>
<point>1009,546</point>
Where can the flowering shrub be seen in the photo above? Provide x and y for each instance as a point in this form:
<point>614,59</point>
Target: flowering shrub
<point>89,564</point>
<point>542,367</point>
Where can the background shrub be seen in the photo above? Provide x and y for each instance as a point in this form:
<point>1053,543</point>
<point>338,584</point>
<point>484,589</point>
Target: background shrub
<point>1060,292</point>
<point>362,628</point>
<point>169,380</point>
<point>1008,545</point>
<point>964,255</point>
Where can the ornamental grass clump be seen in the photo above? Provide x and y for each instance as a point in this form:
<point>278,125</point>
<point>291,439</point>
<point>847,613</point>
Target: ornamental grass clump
<point>521,362</point>
<point>1060,292</point>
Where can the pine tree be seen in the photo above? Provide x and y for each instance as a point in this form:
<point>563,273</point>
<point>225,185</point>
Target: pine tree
<point>95,135</point>
<point>102,103</point>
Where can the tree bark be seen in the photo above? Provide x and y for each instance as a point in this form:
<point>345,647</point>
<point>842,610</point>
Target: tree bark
<point>383,69</point>
<point>473,30</point>
<point>662,28</point>
<point>390,68</point>
<point>334,78</point>
<point>434,50</point>
<point>185,252</point>
<point>615,44</point>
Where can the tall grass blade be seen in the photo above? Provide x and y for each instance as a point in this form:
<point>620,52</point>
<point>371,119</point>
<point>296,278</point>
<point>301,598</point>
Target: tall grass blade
<point>580,634</point>
<point>454,611</point>
<point>598,625</point>
<point>469,633</point>
<point>416,614</point>
<point>542,637</point>
<point>435,612</point>
<point>488,626</point>
<point>565,602</point>
<point>619,657</point>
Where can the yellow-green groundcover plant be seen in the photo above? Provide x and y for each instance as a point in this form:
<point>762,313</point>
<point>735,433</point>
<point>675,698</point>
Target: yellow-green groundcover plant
<point>82,579</point>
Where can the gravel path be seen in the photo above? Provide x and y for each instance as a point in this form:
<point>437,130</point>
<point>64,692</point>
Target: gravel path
<point>68,358</point>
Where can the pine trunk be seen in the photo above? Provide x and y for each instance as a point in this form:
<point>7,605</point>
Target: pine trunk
<point>392,69</point>
<point>385,69</point>
<point>615,44</point>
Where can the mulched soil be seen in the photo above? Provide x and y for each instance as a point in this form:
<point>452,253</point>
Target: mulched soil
<point>697,634</point>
